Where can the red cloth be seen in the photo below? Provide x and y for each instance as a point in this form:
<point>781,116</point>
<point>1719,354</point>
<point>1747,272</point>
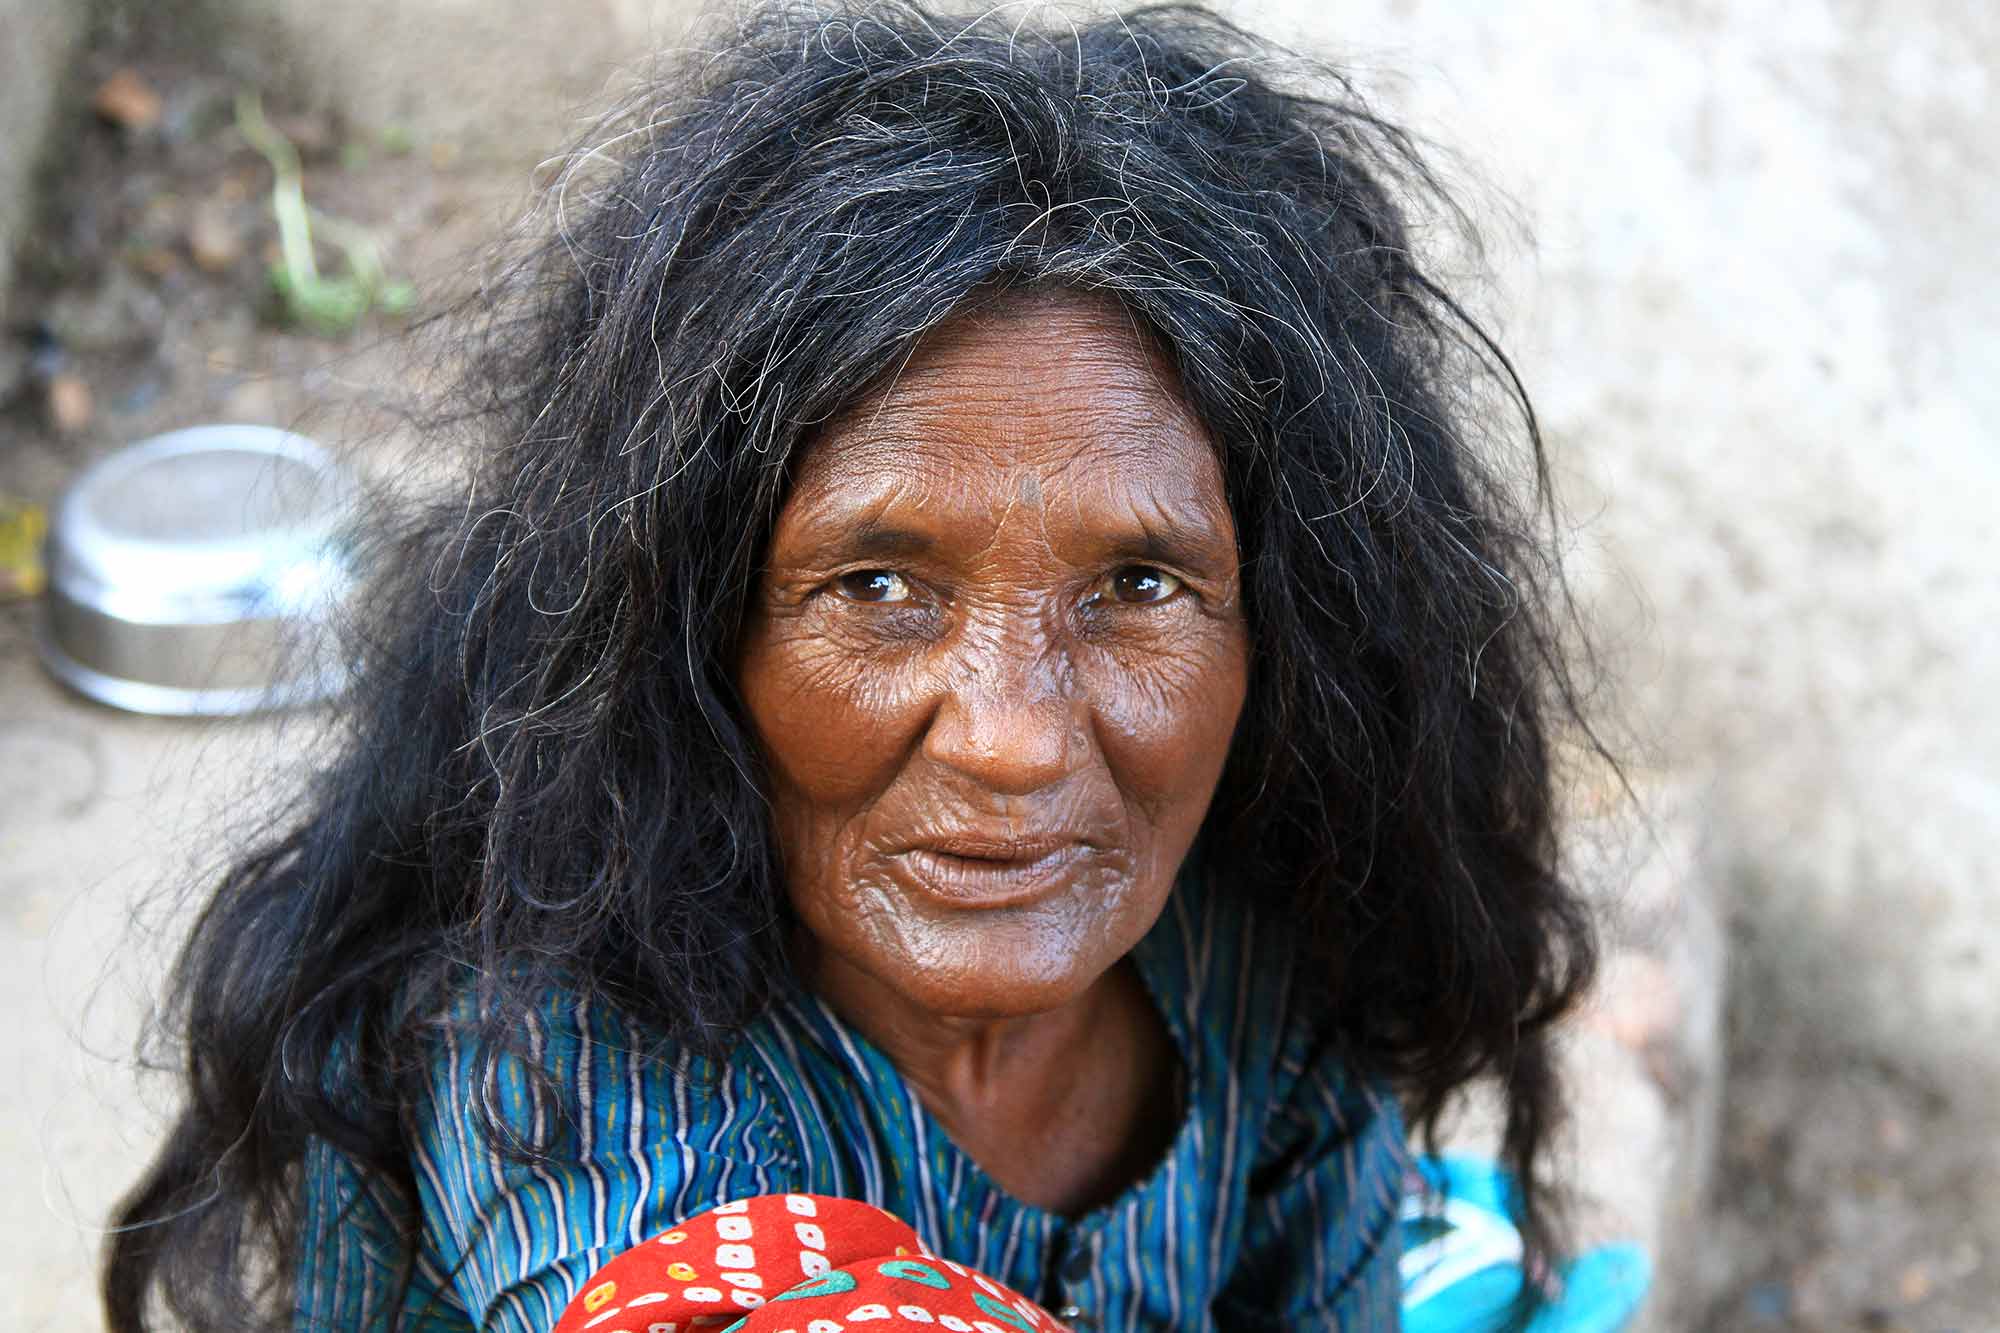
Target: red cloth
<point>794,1263</point>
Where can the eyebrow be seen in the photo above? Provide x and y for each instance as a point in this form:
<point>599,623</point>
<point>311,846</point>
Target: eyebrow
<point>1195,548</point>
<point>872,539</point>
<point>1167,543</point>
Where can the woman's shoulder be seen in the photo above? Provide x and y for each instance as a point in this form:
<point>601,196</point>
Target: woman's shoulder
<point>552,1069</point>
<point>556,1128</point>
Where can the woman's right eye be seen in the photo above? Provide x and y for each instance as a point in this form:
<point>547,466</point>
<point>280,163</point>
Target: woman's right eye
<point>874,586</point>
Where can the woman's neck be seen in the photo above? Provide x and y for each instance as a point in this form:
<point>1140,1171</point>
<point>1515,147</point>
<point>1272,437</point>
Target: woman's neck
<point>961,1061</point>
<point>1064,1109</point>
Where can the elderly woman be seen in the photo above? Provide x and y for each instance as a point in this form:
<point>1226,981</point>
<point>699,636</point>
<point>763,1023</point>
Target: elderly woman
<point>975,670</point>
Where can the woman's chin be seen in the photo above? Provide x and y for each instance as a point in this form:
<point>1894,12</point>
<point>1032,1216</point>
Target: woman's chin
<point>993,980</point>
<point>924,954</point>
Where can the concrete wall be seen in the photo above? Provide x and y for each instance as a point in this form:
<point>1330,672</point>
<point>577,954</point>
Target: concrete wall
<point>1761,315</point>
<point>512,79</point>
<point>36,40</point>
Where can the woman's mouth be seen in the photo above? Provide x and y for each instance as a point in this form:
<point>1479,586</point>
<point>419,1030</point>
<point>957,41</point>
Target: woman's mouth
<point>982,873</point>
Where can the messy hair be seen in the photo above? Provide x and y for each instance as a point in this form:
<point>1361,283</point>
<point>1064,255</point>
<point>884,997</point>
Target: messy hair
<point>545,776</point>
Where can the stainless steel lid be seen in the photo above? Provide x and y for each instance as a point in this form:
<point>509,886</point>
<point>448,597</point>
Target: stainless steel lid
<point>196,573</point>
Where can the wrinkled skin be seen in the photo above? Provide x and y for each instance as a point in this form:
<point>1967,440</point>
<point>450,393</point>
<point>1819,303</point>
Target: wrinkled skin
<point>995,664</point>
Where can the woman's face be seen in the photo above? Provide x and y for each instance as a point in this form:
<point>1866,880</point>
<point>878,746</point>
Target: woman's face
<point>995,661</point>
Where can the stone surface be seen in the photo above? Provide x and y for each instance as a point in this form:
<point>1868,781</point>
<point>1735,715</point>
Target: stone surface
<point>40,37</point>
<point>98,820</point>
<point>128,101</point>
<point>1646,1058</point>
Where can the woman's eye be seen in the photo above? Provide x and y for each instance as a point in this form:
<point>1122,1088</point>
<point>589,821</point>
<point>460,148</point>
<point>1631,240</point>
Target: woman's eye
<point>874,586</point>
<point>1138,585</point>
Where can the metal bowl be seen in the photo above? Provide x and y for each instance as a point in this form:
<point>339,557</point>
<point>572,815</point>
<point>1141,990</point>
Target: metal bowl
<point>195,572</point>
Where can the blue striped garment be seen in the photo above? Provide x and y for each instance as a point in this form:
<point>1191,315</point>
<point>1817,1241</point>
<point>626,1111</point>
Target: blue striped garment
<point>1275,1206</point>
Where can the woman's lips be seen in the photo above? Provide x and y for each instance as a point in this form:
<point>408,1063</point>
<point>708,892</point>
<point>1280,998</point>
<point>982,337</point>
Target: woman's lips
<point>982,873</point>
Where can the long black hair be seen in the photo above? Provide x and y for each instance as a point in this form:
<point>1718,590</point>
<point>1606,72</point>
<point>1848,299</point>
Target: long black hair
<point>544,775</point>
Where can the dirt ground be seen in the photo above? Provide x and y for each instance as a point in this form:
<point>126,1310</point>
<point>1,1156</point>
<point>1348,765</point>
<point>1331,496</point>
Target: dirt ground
<point>144,303</point>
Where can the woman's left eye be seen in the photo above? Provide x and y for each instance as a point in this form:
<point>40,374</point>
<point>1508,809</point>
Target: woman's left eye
<point>1140,585</point>
<point>874,586</point>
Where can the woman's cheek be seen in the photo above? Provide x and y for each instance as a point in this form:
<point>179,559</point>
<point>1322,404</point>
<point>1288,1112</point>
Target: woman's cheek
<point>832,722</point>
<point>1166,716</point>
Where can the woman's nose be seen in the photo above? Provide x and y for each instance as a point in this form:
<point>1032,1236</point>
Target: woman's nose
<point>1009,719</point>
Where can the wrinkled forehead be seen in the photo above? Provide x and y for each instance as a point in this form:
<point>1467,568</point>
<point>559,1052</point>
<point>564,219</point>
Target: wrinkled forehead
<point>1055,403</point>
